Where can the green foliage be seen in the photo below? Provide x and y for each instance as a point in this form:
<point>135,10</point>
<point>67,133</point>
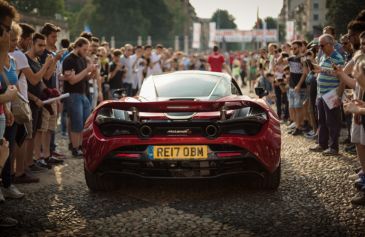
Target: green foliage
<point>223,19</point>
<point>271,23</point>
<point>44,7</point>
<point>340,13</point>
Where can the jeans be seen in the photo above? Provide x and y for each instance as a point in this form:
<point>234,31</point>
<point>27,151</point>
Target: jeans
<point>10,133</point>
<point>79,109</point>
<point>329,125</point>
<point>64,118</point>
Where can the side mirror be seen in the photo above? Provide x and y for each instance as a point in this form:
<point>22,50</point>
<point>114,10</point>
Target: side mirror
<point>260,92</point>
<point>119,93</point>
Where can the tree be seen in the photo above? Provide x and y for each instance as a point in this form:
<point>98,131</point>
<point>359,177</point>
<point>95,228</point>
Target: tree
<point>43,7</point>
<point>271,23</point>
<point>223,19</point>
<point>340,13</point>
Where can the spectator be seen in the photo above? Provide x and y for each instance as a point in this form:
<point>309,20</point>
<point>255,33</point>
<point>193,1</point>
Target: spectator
<point>216,61</point>
<point>278,70</point>
<point>311,82</point>
<point>265,81</point>
<point>357,108</point>
<point>329,120</point>
<point>117,71</point>
<point>138,66</point>
<point>297,87</point>
<point>46,132</point>
<point>35,88</point>
<point>76,75</point>
<point>354,29</point>
<point>7,14</point>
<point>346,44</point>
<point>252,72</point>
<point>20,152</point>
<point>126,61</point>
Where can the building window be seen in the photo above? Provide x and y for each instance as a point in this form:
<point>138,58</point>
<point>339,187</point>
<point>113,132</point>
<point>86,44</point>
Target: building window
<point>315,5</point>
<point>315,17</point>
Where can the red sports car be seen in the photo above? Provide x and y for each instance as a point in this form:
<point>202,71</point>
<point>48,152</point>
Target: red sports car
<point>183,125</point>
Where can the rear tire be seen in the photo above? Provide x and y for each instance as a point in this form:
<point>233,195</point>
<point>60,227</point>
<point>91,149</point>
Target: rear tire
<point>271,181</point>
<point>96,183</point>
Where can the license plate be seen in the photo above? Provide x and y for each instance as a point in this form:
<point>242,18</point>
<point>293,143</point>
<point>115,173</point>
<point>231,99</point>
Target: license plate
<point>178,152</point>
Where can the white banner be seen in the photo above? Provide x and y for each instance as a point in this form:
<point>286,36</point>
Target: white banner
<point>196,35</point>
<point>246,35</point>
<point>212,34</point>
<point>290,30</point>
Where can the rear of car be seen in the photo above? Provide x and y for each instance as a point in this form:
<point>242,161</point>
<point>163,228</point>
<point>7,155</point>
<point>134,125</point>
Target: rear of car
<point>157,136</point>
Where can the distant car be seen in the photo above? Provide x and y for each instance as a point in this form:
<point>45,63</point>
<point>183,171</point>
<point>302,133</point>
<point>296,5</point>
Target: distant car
<point>183,125</point>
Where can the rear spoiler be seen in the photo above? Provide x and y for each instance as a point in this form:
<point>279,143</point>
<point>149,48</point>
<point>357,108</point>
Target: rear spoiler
<point>179,106</point>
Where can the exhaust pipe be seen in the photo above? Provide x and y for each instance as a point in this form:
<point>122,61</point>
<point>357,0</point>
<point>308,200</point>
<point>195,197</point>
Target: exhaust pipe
<point>145,131</point>
<point>211,131</point>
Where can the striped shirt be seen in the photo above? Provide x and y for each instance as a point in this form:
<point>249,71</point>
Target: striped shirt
<point>327,79</point>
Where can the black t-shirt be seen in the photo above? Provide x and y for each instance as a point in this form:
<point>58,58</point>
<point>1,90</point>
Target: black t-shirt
<point>77,64</point>
<point>51,83</point>
<point>35,66</point>
<point>296,71</point>
<point>116,81</point>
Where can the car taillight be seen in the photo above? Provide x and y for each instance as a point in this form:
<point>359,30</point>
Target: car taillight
<point>128,155</point>
<point>228,154</point>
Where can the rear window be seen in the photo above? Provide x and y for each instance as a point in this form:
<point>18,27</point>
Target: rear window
<point>185,85</point>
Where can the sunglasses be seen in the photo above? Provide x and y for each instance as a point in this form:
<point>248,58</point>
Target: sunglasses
<point>322,45</point>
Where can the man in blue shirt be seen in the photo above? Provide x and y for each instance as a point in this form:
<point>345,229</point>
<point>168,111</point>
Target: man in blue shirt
<point>329,120</point>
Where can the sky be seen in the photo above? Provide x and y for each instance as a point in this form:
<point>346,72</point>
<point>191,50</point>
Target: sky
<point>244,11</point>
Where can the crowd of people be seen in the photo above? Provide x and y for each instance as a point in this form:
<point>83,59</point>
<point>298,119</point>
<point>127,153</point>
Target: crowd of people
<point>317,88</point>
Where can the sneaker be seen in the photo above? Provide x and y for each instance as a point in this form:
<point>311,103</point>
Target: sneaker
<point>360,182</point>
<point>12,192</point>
<point>291,131</point>
<point>42,163</point>
<point>53,161</point>
<point>359,199</point>
<point>25,179</point>
<point>311,135</point>
<point>317,148</point>
<point>292,125</point>
<point>330,152</point>
<point>76,152</point>
<point>351,149</point>
<point>2,198</point>
<point>35,168</point>
<point>297,132</point>
<point>8,222</point>
<point>58,155</point>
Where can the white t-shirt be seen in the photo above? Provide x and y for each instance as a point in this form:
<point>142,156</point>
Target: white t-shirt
<point>156,69</point>
<point>127,62</point>
<point>21,62</point>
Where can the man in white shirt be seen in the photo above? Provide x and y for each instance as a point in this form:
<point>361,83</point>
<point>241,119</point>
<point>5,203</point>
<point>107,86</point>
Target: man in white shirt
<point>126,61</point>
<point>155,66</point>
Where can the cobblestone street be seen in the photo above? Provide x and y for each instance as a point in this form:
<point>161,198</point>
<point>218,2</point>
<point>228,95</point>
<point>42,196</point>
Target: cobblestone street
<point>313,200</point>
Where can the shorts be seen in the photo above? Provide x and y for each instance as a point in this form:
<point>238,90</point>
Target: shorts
<point>49,122</point>
<point>295,99</point>
<point>79,109</point>
<point>357,133</point>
